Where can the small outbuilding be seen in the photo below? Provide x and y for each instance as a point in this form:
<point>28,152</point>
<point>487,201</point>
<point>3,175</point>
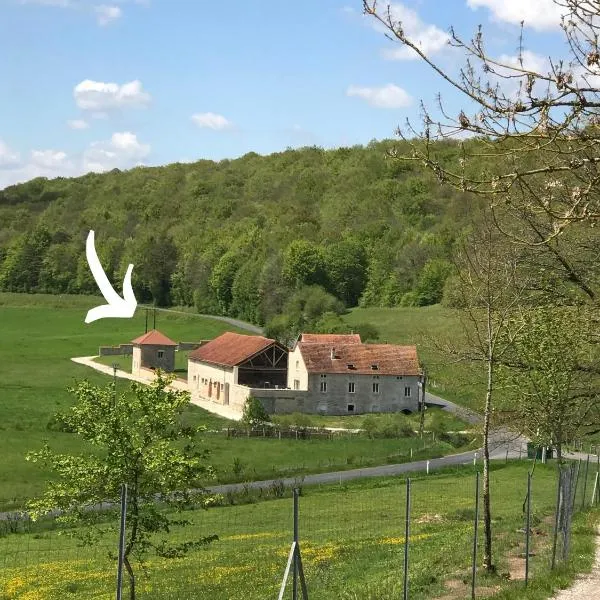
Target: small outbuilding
<point>152,351</point>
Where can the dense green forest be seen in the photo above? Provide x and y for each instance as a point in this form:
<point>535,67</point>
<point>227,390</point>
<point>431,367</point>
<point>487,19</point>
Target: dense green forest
<point>279,239</point>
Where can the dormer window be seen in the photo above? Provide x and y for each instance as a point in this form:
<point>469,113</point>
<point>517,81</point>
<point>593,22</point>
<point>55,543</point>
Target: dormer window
<point>351,366</point>
<point>375,367</point>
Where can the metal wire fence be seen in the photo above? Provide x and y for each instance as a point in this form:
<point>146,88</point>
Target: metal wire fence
<point>386,538</point>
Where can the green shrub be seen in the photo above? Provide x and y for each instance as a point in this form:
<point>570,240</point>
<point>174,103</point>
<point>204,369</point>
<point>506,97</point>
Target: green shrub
<point>254,413</point>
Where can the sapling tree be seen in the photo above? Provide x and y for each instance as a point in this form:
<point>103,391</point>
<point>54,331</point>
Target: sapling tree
<point>490,288</point>
<point>254,412</point>
<point>139,439</point>
<point>550,382</point>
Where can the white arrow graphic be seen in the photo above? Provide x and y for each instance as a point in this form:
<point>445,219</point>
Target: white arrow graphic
<point>117,307</point>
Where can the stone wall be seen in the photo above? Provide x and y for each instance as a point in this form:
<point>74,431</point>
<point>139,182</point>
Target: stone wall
<point>123,349</point>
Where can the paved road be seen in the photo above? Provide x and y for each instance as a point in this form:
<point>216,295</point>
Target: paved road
<point>231,321</point>
<point>460,411</point>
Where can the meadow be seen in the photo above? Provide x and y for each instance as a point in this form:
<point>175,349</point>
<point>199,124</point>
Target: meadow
<point>351,538</point>
<point>40,334</point>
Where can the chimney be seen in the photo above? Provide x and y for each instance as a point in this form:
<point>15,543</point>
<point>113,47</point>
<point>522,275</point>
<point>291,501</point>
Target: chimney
<point>333,354</point>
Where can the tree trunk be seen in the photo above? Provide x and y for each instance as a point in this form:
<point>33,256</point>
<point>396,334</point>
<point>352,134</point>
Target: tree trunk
<point>487,512</point>
<point>131,579</point>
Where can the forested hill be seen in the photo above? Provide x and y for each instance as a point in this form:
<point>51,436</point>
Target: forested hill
<point>250,237</point>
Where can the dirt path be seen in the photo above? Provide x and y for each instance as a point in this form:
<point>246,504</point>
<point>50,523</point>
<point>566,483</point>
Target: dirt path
<point>586,587</point>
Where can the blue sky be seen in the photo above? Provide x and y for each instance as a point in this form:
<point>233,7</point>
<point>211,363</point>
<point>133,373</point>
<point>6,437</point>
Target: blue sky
<point>97,84</point>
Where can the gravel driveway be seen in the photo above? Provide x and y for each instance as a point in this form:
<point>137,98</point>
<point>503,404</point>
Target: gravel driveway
<point>586,587</point>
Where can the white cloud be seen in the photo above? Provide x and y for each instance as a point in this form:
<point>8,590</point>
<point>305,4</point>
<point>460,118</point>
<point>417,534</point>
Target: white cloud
<point>387,96</point>
<point>531,61</point>
<point>53,160</point>
<point>78,124</point>
<point>211,121</point>
<point>99,97</point>
<point>122,151</point>
<point>429,38</point>
<point>537,14</point>
<point>8,157</point>
<point>107,14</point>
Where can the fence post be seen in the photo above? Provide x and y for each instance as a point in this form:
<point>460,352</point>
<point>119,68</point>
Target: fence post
<point>474,566</point>
<point>587,466</point>
<point>528,527</point>
<point>576,485</point>
<point>295,572</point>
<point>556,517</point>
<point>593,498</point>
<point>406,538</point>
<point>122,541</point>
<point>597,472</point>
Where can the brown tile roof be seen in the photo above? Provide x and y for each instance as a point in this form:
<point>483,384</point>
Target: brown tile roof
<point>390,359</point>
<point>231,349</point>
<point>330,338</point>
<point>154,338</point>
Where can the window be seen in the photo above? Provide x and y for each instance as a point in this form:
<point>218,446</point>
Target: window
<point>375,376</point>
<point>407,391</point>
<point>222,386</point>
<point>350,407</point>
<point>297,364</point>
<point>160,353</point>
<point>376,388</point>
<point>399,377</point>
<point>194,378</point>
<point>296,384</point>
<point>351,387</point>
<point>323,386</point>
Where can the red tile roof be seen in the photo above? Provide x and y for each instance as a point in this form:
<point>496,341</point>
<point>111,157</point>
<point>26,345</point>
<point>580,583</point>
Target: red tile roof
<point>154,338</point>
<point>330,338</point>
<point>231,349</point>
<point>390,359</point>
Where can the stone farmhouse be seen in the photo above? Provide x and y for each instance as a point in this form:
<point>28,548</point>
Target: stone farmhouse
<point>322,374</point>
<point>325,374</point>
<point>341,375</point>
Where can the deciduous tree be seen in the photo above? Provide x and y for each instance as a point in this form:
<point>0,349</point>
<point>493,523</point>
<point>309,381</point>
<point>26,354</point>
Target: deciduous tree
<point>138,439</point>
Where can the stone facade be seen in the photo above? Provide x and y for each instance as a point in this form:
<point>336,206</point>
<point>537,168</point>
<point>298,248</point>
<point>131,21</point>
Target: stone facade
<point>153,357</point>
<point>211,382</point>
<point>351,392</point>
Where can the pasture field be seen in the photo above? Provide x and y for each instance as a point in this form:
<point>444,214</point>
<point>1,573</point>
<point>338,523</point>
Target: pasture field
<point>40,334</point>
<point>351,538</point>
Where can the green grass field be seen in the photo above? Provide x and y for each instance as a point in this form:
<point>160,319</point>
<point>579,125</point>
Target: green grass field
<point>351,538</point>
<point>40,336</point>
